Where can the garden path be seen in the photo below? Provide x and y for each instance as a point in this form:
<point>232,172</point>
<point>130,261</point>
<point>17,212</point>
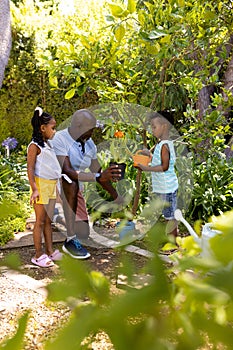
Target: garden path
<point>26,289</point>
<point>98,240</point>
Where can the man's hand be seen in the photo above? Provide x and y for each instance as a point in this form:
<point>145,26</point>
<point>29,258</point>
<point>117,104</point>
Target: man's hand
<point>113,173</point>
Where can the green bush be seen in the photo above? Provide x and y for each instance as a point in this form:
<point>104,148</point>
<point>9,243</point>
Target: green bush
<point>17,210</point>
<point>25,86</point>
<point>212,190</point>
<point>14,195</point>
<point>13,172</point>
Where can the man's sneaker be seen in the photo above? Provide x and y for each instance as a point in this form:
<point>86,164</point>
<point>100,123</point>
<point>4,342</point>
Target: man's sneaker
<point>75,249</point>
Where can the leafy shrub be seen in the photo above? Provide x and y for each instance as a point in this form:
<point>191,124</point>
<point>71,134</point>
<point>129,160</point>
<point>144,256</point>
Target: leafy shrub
<point>13,195</point>
<point>212,172</point>
<point>13,173</point>
<point>15,219</point>
<point>213,188</point>
<point>18,100</point>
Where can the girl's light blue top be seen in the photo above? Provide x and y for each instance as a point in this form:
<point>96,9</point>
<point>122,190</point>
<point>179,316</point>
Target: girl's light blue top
<point>166,181</point>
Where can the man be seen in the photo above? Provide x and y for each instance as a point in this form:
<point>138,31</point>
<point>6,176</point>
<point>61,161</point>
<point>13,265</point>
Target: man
<point>77,152</point>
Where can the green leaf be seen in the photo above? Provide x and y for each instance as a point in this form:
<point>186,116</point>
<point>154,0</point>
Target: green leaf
<point>168,246</point>
<point>131,6</point>
<point>116,10</point>
<point>86,319</point>
<point>109,18</point>
<point>199,291</point>
<point>66,48</point>
<point>141,18</point>
<point>197,227</point>
<point>166,39</point>
<point>155,34</point>
<point>120,32</point>
<point>220,315</point>
<point>224,223</point>
<point>16,343</point>
<point>153,49</point>
<point>209,15</point>
<point>70,287</point>
<point>190,246</point>
<point>181,3</point>
<point>70,94</point>
<point>78,81</point>
<point>99,287</point>
<point>84,40</point>
<point>53,81</point>
<point>68,69</point>
<point>12,261</point>
<point>6,207</point>
<point>221,246</point>
<point>81,89</point>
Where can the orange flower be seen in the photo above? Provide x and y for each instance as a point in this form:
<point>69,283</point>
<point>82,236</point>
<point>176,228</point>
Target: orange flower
<point>119,134</point>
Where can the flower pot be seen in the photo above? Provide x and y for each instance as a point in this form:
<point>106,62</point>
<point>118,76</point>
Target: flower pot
<point>121,166</point>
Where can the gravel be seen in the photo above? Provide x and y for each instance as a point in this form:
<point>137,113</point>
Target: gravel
<point>25,290</point>
<point>15,299</point>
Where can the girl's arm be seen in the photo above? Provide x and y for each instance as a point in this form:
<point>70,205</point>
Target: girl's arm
<point>165,159</point>
<point>33,152</point>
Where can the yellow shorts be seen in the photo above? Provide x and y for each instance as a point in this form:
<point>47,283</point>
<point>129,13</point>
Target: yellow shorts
<point>47,190</point>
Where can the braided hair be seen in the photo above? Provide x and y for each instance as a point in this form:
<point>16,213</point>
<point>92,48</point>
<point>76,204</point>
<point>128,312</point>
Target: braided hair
<point>39,118</point>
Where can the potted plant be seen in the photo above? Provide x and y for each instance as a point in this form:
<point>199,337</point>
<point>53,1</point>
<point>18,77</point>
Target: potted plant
<point>119,151</point>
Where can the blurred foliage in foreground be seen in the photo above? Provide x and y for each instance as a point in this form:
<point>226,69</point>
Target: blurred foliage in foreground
<point>186,304</point>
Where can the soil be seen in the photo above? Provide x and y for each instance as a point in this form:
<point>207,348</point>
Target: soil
<point>104,260</point>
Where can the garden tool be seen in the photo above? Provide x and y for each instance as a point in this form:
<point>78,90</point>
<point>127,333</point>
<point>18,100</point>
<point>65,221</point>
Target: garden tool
<point>207,233</point>
<point>127,229</point>
<point>140,158</point>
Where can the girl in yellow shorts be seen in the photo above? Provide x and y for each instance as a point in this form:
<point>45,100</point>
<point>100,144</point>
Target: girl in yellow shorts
<point>43,174</point>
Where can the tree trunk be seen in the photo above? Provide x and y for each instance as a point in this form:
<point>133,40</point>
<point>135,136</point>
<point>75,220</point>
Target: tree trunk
<point>228,86</point>
<point>203,103</point>
<point>138,180</point>
<point>228,79</point>
<point>204,100</point>
<point>5,36</point>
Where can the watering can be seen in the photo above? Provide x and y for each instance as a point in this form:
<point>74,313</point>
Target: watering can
<point>128,228</point>
<point>139,158</point>
<point>203,241</point>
